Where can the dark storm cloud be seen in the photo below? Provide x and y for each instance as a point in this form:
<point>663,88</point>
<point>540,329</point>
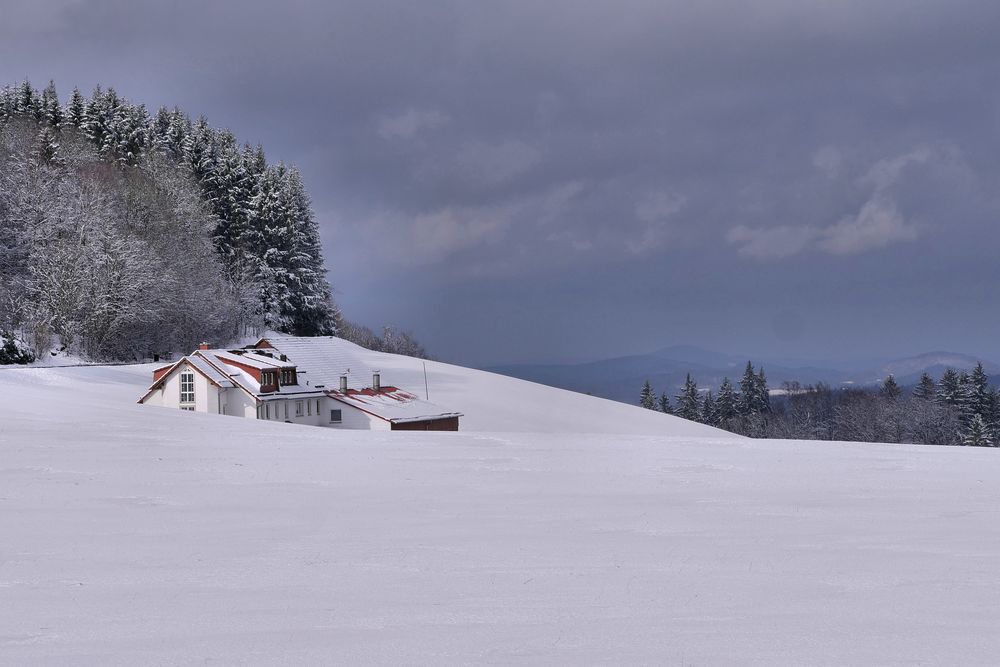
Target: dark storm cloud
<point>538,179</point>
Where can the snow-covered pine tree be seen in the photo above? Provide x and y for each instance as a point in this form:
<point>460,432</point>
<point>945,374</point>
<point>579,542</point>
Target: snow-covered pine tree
<point>725,402</point>
<point>890,389</point>
<point>311,311</point>
<point>48,146</point>
<point>76,110</point>
<point>664,403</point>
<point>53,113</point>
<point>748,403</point>
<point>976,433</point>
<point>925,389</point>
<point>688,405</point>
<point>763,393</point>
<point>647,399</point>
<point>949,387</point>
<point>199,154</point>
<point>708,414</point>
<point>980,394</point>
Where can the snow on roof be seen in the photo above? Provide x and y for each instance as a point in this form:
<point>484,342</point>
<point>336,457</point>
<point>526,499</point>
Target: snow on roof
<point>250,358</point>
<point>209,371</point>
<point>392,404</point>
<point>322,360</point>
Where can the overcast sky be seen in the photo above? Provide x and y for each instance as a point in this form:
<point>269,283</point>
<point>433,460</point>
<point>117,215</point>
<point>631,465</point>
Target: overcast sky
<point>528,181</point>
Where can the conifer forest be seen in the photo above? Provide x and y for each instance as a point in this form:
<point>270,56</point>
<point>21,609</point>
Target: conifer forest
<point>959,408</point>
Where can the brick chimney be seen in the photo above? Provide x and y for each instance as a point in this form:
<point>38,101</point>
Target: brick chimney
<point>203,346</point>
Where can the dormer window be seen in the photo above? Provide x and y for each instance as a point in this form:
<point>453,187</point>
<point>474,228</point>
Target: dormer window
<point>288,376</point>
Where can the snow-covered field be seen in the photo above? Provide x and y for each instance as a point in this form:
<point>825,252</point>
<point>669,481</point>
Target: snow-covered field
<point>553,529</point>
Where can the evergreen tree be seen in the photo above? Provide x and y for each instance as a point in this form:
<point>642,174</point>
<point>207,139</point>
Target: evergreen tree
<point>53,113</point>
<point>890,389</point>
<point>949,388</point>
<point>708,414</point>
<point>925,389</point>
<point>980,395</point>
<point>688,405</point>
<point>48,146</point>
<point>665,403</point>
<point>748,403</point>
<point>725,402</point>
<point>647,399</point>
<point>26,104</point>
<point>76,110</point>
<point>977,434</point>
<point>763,393</point>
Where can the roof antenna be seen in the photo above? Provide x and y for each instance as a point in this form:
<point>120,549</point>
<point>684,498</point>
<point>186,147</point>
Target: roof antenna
<point>427,395</point>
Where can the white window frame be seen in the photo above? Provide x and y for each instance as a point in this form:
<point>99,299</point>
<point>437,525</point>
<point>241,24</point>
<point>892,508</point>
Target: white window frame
<point>187,381</point>
<point>298,408</point>
<point>340,413</point>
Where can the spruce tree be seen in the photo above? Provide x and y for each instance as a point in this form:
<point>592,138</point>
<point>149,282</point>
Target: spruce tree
<point>53,113</point>
<point>763,393</point>
<point>976,433</point>
<point>76,110</point>
<point>925,389</point>
<point>979,392</point>
<point>647,399</point>
<point>890,389</point>
<point>688,405</point>
<point>708,414</point>
<point>748,403</point>
<point>725,402</point>
<point>949,387</point>
<point>665,404</point>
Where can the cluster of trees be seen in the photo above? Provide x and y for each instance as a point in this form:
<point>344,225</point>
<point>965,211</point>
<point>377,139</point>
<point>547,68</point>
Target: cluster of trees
<point>392,339</point>
<point>125,233</point>
<point>745,411</point>
<point>960,408</point>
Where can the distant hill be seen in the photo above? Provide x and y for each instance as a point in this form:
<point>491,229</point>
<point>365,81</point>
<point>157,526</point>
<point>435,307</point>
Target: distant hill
<point>621,378</point>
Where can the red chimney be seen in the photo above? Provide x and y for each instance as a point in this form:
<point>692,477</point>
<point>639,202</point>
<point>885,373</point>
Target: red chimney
<point>203,346</point>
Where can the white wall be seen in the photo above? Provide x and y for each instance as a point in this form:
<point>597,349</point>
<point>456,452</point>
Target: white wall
<point>352,418</point>
<point>236,402</point>
<point>206,395</point>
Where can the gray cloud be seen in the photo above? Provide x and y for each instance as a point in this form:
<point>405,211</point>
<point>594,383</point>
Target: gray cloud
<point>485,170</point>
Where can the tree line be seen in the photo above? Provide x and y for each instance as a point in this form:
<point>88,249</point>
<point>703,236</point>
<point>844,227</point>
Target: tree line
<point>125,233</point>
<point>959,408</point>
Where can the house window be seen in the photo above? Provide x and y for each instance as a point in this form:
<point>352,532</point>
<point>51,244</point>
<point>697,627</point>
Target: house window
<point>298,408</point>
<point>336,416</point>
<point>189,408</point>
<point>287,377</point>
<point>267,410</point>
<point>286,409</point>
<point>187,388</point>
<point>317,407</point>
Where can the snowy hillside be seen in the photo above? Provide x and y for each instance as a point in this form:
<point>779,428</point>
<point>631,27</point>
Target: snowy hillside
<point>136,535</point>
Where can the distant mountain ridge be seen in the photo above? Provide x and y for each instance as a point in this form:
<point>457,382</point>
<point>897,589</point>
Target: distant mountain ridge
<point>621,378</point>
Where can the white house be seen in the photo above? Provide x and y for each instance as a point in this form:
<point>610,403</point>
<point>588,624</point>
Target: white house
<point>297,380</point>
